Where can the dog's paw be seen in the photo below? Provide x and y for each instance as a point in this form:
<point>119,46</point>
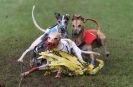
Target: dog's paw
<point>24,74</point>
<point>20,60</point>
<point>58,76</point>
<point>98,54</point>
<point>107,54</point>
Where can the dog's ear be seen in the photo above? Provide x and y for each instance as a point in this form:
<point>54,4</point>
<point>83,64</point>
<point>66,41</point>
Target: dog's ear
<point>76,16</point>
<point>83,19</point>
<point>57,15</point>
<point>73,17</point>
<point>68,16</point>
<point>80,17</point>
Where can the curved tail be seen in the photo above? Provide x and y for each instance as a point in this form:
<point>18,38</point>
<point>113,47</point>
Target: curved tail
<point>98,26</point>
<point>34,21</point>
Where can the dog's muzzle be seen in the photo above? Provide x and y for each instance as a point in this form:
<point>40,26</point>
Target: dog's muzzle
<point>77,32</point>
<point>50,45</point>
<point>62,28</point>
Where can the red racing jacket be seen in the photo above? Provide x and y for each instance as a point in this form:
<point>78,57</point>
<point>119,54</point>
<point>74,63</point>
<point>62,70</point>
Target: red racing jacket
<point>89,37</point>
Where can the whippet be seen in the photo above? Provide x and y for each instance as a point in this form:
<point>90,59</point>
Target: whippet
<point>54,42</point>
<point>86,38</point>
<point>61,26</point>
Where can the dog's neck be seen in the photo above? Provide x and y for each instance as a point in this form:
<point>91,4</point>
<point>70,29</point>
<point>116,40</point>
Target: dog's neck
<point>64,33</point>
<point>78,39</point>
<point>56,28</point>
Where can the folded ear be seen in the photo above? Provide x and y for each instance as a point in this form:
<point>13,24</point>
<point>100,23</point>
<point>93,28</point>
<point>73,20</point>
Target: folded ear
<point>76,16</point>
<point>57,15</point>
<point>83,19</point>
<point>68,16</point>
<point>73,17</point>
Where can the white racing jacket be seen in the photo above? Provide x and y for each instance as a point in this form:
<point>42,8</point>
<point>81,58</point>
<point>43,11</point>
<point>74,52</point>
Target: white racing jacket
<point>70,47</point>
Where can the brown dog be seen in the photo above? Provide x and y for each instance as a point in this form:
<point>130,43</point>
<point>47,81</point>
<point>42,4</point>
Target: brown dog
<point>87,38</point>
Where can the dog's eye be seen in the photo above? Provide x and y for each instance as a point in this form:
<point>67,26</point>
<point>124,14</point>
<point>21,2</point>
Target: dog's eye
<point>59,21</point>
<point>73,25</point>
<point>56,38</point>
<point>48,38</point>
<point>65,22</point>
<point>79,25</point>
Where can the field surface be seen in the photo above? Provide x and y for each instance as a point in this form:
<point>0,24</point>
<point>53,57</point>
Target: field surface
<point>17,32</point>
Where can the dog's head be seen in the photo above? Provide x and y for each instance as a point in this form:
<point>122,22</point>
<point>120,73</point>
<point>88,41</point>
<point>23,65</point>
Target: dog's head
<point>53,40</point>
<point>62,21</point>
<point>77,24</point>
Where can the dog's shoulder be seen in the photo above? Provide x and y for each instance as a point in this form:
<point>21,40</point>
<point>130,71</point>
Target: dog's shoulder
<point>52,26</point>
<point>52,29</point>
<point>69,41</point>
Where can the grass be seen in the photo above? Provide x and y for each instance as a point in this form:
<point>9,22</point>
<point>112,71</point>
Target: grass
<point>18,32</point>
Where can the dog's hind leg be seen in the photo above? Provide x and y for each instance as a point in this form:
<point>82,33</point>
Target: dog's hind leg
<point>107,53</point>
<point>102,38</point>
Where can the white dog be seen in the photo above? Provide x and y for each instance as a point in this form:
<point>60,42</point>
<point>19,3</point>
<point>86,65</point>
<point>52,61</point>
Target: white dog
<point>54,42</point>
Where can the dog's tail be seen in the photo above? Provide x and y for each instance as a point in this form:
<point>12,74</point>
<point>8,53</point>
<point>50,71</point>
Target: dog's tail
<point>34,21</point>
<point>98,26</point>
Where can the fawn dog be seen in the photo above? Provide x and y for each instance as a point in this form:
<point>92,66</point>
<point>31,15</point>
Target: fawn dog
<point>87,38</point>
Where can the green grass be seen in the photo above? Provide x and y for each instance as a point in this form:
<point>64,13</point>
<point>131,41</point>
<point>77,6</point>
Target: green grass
<point>17,32</point>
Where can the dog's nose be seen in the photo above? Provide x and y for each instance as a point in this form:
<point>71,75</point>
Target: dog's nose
<point>62,30</point>
<point>62,27</point>
<point>75,33</point>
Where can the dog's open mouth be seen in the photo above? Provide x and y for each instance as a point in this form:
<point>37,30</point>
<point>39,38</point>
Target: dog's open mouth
<point>75,34</point>
<point>50,45</point>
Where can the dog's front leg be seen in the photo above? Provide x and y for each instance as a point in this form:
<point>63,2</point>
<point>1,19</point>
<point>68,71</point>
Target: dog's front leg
<point>32,46</point>
<point>58,75</point>
<point>43,67</point>
<point>104,44</point>
<point>92,56</point>
<point>30,71</point>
